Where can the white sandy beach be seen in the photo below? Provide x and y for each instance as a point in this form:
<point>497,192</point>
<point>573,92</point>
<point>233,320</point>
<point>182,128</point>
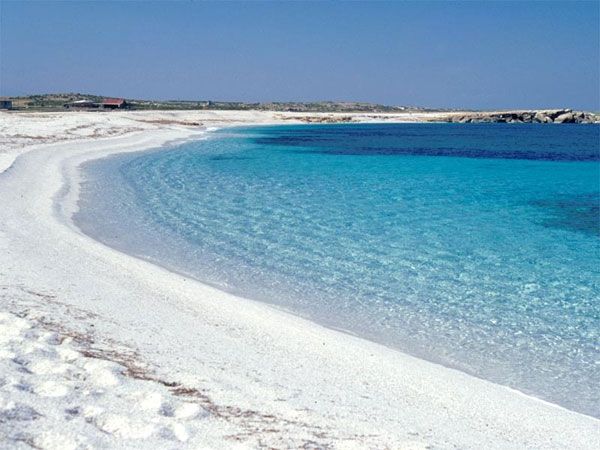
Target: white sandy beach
<point>101,349</point>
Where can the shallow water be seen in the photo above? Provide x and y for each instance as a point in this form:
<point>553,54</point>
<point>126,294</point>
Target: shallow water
<point>475,246</point>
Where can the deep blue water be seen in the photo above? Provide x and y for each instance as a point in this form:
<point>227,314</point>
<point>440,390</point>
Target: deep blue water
<point>475,246</point>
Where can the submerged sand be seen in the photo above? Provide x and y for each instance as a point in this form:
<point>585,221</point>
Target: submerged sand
<point>103,349</point>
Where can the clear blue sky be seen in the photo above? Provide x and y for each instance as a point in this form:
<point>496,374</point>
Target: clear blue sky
<point>446,54</point>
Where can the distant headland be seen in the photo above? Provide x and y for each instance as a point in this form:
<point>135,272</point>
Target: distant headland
<point>78,101</point>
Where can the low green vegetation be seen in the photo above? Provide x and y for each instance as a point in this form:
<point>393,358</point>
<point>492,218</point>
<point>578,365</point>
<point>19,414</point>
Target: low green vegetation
<point>48,102</point>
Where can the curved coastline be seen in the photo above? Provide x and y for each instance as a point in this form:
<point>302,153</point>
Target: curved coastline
<point>73,181</point>
<point>357,384</point>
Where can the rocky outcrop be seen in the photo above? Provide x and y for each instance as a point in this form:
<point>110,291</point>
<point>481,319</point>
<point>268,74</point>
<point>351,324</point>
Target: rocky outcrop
<point>565,118</point>
<point>546,116</point>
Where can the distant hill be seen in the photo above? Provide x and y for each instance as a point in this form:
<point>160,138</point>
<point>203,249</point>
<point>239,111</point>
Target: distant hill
<point>57,101</point>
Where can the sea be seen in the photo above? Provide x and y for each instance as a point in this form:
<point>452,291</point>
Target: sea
<point>474,246</point>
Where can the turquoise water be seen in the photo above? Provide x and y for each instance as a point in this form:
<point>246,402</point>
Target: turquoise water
<point>474,246</point>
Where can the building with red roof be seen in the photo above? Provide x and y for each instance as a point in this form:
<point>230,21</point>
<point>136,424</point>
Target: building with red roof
<point>113,103</point>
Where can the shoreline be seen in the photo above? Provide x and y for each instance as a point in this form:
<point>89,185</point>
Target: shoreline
<point>248,354</point>
<point>182,270</point>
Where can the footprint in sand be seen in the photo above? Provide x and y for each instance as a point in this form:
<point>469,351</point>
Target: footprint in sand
<point>50,338</point>
<point>11,328</point>
<point>10,411</point>
<point>183,411</point>
<point>66,354</point>
<point>50,440</point>
<point>43,366</point>
<point>102,373</point>
<point>175,431</point>
<point>147,400</point>
<point>49,388</point>
<point>123,427</point>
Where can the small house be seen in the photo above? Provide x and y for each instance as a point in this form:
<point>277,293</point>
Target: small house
<point>5,103</point>
<point>114,103</point>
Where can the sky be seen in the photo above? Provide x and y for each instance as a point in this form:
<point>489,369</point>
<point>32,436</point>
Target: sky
<point>480,55</point>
